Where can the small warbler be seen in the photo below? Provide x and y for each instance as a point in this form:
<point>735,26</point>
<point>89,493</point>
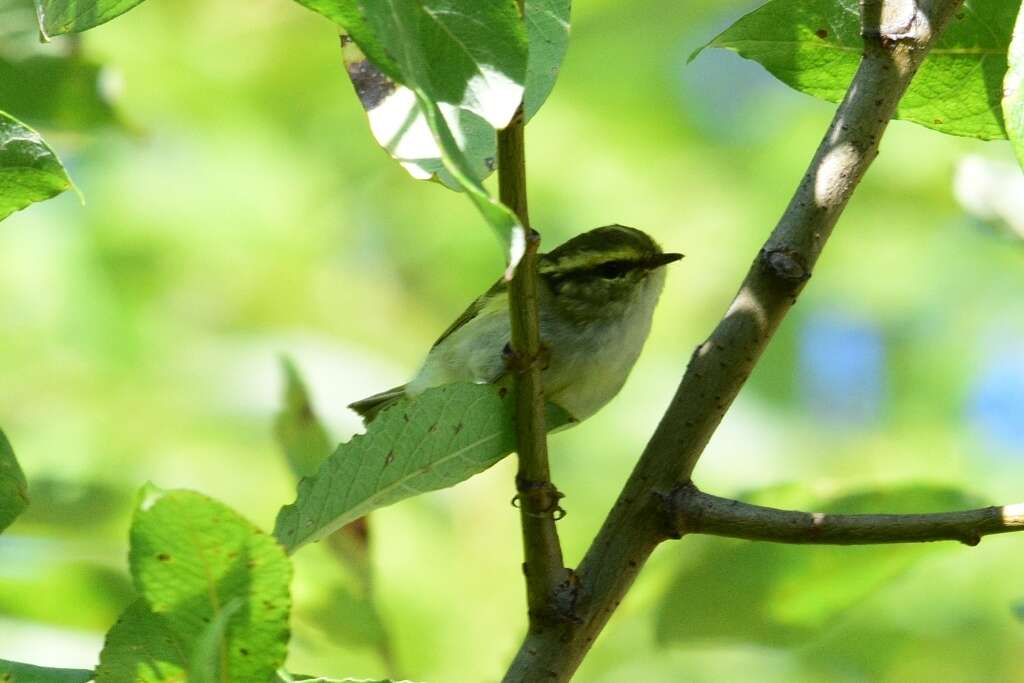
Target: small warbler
<point>596,296</point>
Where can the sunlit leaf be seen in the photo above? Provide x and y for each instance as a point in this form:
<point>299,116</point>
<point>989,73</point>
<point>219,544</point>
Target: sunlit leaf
<point>29,170</point>
<point>433,441</point>
<point>16,672</point>
<point>206,663</point>
<point>399,123</point>
<point>463,53</point>
<point>191,557</point>
<point>13,487</point>
<point>815,47</point>
<point>71,16</point>
<point>547,30</point>
<point>454,57</point>
<point>733,590</point>
<point>142,648</point>
<point>1013,90</point>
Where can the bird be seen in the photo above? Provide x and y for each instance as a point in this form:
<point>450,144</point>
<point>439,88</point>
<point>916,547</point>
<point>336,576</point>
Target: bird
<point>596,295</point>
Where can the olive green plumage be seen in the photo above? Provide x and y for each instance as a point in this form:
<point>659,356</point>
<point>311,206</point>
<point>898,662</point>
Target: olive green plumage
<point>596,297</point>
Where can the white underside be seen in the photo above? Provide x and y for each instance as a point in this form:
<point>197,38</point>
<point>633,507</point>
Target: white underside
<point>587,364</point>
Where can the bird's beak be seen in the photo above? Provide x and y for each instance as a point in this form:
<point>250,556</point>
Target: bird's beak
<point>663,260</point>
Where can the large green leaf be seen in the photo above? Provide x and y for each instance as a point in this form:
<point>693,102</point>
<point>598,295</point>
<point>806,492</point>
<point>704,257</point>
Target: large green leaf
<point>547,30</point>
<point>29,170</point>
<point>55,92</point>
<point>142,648</point>
<point>192,558</point>
<point>71,16</point>
<point>399,123</point>
<point>13,487</point>
<point>1013,90</point>
<point>207,663</point>
<point>432,441</point>
<point>16,672</point>
<point>463,53</point>
<point>776,594</point>
<point>815,47</point>
<point>456,58</point>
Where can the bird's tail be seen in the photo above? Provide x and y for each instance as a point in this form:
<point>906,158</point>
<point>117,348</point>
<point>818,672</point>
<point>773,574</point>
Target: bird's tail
<point>368,408</point>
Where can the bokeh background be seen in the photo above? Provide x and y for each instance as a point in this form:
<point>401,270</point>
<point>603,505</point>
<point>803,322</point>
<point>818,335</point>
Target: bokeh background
<point>237,208</point>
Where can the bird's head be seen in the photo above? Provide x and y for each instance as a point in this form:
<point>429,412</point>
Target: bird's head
<point>604,271</point>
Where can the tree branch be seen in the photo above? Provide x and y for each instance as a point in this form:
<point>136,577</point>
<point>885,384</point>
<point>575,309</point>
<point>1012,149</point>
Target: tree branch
<point>537,496</point>
<point>694,512</point>
<point>897,37</point>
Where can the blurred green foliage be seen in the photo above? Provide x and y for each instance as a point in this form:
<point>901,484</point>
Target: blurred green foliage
<point>253,214</point>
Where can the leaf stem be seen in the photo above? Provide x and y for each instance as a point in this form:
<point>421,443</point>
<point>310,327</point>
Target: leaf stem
<point>537,496</point>
<point>897,36</point>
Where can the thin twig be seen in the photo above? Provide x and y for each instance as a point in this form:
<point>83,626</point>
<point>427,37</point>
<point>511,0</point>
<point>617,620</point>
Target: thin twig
<point>696,512</point>
<point>537,497</point>
<point>897,38</point>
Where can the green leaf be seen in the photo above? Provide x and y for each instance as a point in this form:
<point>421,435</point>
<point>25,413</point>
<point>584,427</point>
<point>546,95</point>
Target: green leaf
<point>13,487</point>
<point>547,30</point>
<point>15,672</point>
<point>55,92</point>
<point>458,59</point>
<point>29,170</point>
<point>1013,90</point>
<point>815,46</point>
<point>142,648</point>
<point>463,53</point>
<point>433,441</point>
<point>207,665</point>
<point>72,16</point>
<point>302,437</point>
<point>399,123</point>
<point>775,594</point>
<point>191,557</point>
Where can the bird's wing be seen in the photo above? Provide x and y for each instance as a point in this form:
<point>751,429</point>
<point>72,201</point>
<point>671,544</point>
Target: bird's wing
<point>369,407</point>
<point>473,310</point>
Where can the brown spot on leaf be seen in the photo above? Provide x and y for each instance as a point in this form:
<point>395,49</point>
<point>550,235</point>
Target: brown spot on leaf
<point>163,557</point>
<point>502,392</point>
<point>371,85</point>
<point>389,458</point>
<point>821,33</point>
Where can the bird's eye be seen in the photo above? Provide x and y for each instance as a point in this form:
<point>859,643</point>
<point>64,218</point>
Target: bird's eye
<point>613,269</point>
